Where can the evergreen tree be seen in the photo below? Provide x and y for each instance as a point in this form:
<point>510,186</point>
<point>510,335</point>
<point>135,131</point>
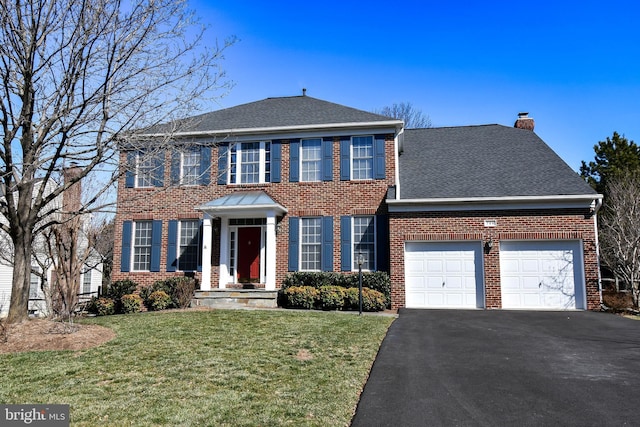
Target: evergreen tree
<point>614,156</point>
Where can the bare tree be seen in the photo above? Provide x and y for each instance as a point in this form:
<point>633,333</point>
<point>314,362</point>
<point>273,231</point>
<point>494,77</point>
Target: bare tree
<point>405,111</point>
<point>620,231</point>
<point>78,77</point>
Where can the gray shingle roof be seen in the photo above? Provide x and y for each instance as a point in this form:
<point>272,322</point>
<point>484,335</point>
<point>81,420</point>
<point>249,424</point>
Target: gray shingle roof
<point>482,161</point>
<point>274,113</point>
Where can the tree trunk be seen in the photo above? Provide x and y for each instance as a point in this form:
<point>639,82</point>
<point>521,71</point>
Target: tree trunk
<point>19,306</point>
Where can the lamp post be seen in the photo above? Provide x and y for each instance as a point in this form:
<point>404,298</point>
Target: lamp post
<point>360,261</point>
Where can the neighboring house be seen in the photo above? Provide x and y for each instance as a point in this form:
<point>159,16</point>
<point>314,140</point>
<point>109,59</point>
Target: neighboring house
<point>479,216</point>
<point>42,265</point>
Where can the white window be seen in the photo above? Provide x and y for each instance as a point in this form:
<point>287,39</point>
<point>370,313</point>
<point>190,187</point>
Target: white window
<point>86,281</point>
<point>311,244</point>
<point>145,166</point>
<point>364,241</point>
<point>311,159</point>
<point>362,157</point>
<point>189,244</point>
<point>142,245</point>
<point>34,286</point>
<point>250,163</point>
<point>190,167</point>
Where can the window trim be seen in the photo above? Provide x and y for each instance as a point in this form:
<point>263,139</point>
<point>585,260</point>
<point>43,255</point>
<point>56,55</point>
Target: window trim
<point>139,164</point>
<point>354,262</point>
<point>196,179</point>
<point>317,161</point>
<point>134,229</point>
<point>179,243</point>
<point>236,149</point>
<point>302,244</point>
<point>372,158</point>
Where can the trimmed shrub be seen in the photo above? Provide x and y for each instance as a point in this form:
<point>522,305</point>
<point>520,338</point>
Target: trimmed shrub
<point>131,303</point>
<point>314,279</point>
<point>373,300</point>
<point>300,297</point>
<point>104,306</point>
<point>331,297</point>
<point>351,299</point>
<point>117,290</point>
<point>375,280</point>
<point>180,290</point>
<point>158,300</point>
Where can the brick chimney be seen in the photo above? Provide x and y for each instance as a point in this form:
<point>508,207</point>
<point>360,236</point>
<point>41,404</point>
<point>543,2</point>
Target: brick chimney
<point>71,198</point>
<point>524,122</point>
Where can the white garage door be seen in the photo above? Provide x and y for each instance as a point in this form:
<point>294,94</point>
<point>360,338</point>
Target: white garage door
<point>542,275</point>
<point>443,275</point>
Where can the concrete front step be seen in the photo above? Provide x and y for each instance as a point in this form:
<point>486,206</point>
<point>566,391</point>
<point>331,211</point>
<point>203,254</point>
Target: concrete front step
<point>235,298</point>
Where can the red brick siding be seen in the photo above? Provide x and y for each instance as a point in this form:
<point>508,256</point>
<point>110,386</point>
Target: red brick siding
<point>565,224</point>
<point>334,198</point>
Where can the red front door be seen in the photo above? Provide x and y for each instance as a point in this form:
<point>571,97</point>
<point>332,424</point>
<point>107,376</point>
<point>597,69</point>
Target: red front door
<point>249,254</point>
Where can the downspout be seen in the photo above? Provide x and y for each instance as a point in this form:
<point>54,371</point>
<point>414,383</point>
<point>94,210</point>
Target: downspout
<point>597,207</point>
<point>399,143</point>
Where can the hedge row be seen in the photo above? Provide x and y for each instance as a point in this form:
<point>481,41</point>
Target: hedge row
<point>332,298</point>
<point>120,297</point>
<point>375,280</point>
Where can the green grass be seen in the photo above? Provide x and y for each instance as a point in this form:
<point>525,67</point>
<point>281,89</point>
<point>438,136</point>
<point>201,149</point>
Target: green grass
<point>207,368</point>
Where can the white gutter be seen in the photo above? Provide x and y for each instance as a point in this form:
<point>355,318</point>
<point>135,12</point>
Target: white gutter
<point>258,130</point>
<point>495,203</point>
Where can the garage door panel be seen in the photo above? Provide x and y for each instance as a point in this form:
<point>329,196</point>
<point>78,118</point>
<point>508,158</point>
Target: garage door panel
<point>415,266</point>
<point>449,271</point>
<point>453,266</point>
<point>541,274</point>
<point>434,266</point>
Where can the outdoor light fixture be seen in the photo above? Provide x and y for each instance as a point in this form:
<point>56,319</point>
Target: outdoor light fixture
<point>488,244</point>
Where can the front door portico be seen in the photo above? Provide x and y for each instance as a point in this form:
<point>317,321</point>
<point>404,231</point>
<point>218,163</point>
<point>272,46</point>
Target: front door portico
<point>247,239</point>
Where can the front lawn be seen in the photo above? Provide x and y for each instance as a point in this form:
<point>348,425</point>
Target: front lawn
<point>207,368</point>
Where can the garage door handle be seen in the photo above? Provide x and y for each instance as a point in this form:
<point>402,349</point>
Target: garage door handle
<point>443,284</point>
<point>540,284</point>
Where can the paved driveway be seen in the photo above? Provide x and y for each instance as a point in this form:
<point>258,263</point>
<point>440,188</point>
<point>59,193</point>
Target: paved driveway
<point>505,368</point>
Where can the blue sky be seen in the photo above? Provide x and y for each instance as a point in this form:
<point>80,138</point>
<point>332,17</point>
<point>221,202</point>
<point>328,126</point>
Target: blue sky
<point>573,66</point>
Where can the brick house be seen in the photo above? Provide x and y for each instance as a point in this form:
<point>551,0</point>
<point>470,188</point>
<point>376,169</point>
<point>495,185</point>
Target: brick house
<point>480,216</point>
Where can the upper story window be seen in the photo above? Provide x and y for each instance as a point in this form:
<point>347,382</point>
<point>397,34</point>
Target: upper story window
<point>250,163</point>
<point>190,167</point>
<point>362,157</point>
<point>142,245</point>
<point>144,169</point>
<point>311,158</point>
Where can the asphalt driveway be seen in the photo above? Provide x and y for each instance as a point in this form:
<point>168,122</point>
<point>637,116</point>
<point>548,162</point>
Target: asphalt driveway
<point>505,368</point>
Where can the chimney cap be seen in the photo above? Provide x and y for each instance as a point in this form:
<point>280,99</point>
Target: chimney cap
<point>524,121</point>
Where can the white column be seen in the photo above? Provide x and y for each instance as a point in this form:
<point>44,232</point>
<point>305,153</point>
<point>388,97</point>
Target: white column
<point>206,253</point>
<point>270,282</point>
<point>224,276</point>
